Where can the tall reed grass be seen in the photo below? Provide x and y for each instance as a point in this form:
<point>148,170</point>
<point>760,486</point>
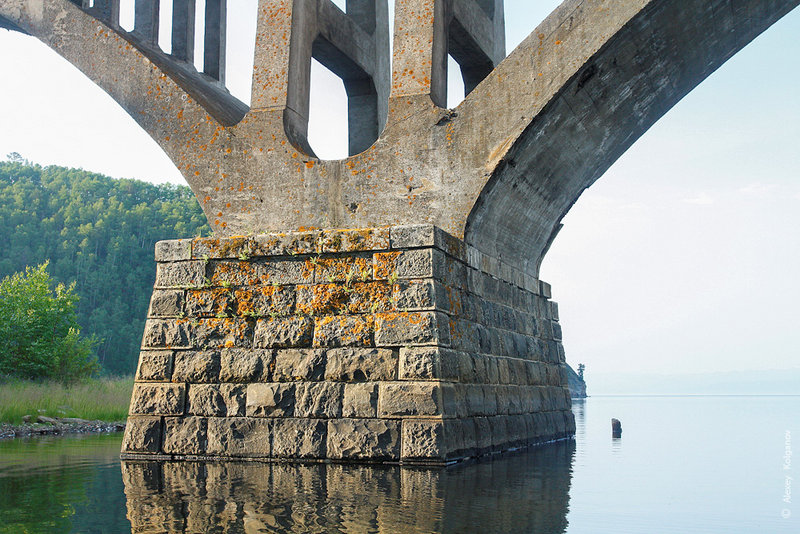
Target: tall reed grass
<point>104,399</point>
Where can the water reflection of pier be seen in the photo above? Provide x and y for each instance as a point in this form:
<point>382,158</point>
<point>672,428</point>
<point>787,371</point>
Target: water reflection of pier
<point>524,492</point>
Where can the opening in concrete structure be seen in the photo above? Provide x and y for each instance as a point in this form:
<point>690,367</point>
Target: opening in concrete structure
<point>455,84</point>
<point>327,117</point>
<point>126,14</point>
<point>165,26</point>
<point>362,96</point>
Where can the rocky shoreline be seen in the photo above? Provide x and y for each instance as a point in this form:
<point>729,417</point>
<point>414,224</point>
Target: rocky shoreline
<point>51,426</point>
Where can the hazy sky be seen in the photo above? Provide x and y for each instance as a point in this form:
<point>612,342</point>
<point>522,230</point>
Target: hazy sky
<point>684,257</point>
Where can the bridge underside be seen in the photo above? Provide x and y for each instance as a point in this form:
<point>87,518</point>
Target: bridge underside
<point>651,62</point>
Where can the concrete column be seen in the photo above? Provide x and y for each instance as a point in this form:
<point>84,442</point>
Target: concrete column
<point>420,50</point>
<point>183,21</point>
<point>145,21</point>
<point>354,46</point>
<point>426,31</point>
<point>215,35</point>
<point>476,38</point>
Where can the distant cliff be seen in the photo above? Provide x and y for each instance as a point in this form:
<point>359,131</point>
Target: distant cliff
<point>577,386</point>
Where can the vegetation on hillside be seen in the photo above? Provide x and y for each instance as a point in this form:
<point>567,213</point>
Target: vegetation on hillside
<point>100,233</point>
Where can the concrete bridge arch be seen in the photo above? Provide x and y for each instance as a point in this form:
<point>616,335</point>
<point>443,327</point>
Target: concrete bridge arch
<point>520,149</point>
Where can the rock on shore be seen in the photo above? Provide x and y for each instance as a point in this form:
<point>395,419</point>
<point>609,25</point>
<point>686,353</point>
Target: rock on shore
<point>47,426</point>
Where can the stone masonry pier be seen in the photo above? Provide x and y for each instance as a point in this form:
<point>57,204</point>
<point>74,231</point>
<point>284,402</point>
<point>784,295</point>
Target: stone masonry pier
<point>398,344</point>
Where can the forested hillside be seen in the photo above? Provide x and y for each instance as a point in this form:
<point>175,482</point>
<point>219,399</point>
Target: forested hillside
<point>99,232</point>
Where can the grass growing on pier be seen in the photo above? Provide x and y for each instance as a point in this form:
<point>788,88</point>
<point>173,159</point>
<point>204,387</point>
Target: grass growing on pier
<point>104,399</point>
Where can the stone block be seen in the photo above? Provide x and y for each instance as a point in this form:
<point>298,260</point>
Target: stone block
<point>474,398</point>
<point>467,373</point>
<point>423,440</point>
<point>234,273</point>
<point>211,302</point>
<point>283,272</point>
<point>185,435</point>
<point>154,365</point>
<point>556,328</point>
<point>173,250</point>
<point>503,371</point>
<point>217,400</point>
<point>360,401</point>
<point>319,400</point>
<point>299,438</point>
<point>166,303</point>
<point>263,301</point>
<point>342,269</point>
<point>219,248</point>
<point>240,437</point>
<point>453,246</point>
<point>517,372</point>
<point>197,367</point>
<point>299,364</point>
<point>142,434</point>
<point>545,290</point>
<point>409,399</point>
<point>323,299</point>
<point>219,333</point>
<point>481,375</point>
<point>454,400</point>
<point>355,240</point>
<point>492,373</point>
<point>166,333</point>
<point>419,363</point>
<point>483,434</point>
<point>415,264</point>
<point>284,332</point>
<point>180,274</point>
<point>411,328</point>
<point>469,442</point>
<point>490,400</point>
<point>157,399</point>
<point>363,439</point>
<point>343,331</point>
<point>361,364</point>
<point>500,437</point>
<point>450,364</point>
<point>370,297</point>
<point>270,400</point>
<point>245,365</point>
<point>412,236</point>
<point>415,295</point>
<point>288,244</point>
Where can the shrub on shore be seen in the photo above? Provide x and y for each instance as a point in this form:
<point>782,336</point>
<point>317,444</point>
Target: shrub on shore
<point>39,333</point>
<point>104,399</point>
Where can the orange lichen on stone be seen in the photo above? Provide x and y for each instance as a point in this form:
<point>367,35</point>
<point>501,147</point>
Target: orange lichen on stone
<point>240,273</point>
<point>215,301</point>
<point>322,299</point>
<point>346,269</point>
<point>343,330</point>
<point>385,264</point>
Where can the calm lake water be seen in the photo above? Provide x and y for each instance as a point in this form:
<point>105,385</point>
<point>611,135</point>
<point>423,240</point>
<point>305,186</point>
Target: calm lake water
<point>683,465</point>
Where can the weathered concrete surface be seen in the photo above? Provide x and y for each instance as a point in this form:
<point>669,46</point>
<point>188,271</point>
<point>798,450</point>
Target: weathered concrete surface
<point>544,125</point>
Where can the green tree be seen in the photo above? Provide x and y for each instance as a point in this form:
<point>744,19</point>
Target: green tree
<point>39,333</point>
